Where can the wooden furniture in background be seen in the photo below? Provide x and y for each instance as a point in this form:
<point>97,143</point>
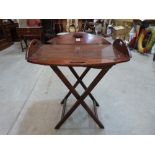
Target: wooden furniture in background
<point>4,43</point>
<point>8,34</point>
<point>10,31</point>
<point>74,50</point>
<point>28,33</point>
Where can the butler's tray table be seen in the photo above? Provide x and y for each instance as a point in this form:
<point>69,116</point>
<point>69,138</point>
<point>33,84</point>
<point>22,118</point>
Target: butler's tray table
<point>73,50</point>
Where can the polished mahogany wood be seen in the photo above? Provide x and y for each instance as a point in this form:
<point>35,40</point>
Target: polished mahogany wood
<point>85,38</point>
<point>92,51</point>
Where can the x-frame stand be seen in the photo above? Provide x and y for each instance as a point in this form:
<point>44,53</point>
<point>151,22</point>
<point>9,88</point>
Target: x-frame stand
<point>80,98</point>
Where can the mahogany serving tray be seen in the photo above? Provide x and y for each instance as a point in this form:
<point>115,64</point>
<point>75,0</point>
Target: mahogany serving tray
<point>77,49</point>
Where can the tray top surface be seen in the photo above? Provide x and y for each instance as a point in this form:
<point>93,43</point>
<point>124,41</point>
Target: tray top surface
<point>64,50</point>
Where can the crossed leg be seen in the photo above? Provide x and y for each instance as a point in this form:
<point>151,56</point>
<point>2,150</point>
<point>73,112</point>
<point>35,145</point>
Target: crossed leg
<point>80,99</point>
<point>76,84</point>
<point>83,85</point>
<point>79,80</point>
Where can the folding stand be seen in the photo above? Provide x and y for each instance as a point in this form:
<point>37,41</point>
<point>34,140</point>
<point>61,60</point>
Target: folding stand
<point>80,99</point>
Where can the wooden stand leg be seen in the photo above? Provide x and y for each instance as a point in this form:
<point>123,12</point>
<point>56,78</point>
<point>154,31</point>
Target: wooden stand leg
<point>22,45</point>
